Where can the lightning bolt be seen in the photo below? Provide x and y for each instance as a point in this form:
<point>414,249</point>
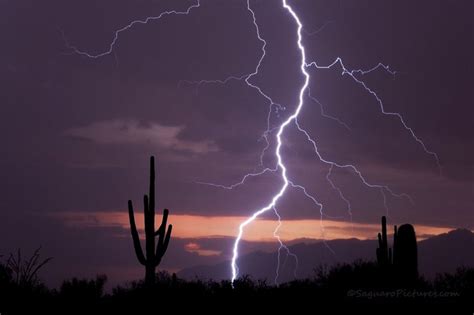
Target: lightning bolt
<point>125,28</point>
<point>281,129</point>
<point>282,246</point>
<point>304,91</point>
<point>353,75</point>
<point>293,118</point>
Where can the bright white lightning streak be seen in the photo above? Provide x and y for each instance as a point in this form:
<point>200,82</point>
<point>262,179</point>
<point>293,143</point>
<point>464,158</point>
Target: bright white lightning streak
<point>281,128</point>
<point>293,117</point>
<point>280,163</point>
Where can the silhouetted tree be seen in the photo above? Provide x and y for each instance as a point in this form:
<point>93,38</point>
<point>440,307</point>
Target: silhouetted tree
<point>153,255</point>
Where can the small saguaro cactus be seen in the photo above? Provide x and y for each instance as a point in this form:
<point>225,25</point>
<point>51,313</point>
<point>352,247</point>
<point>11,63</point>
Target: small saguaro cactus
<point>384,253</point>
<point>153,255</point>
<point>402,260</point>
<point>405,253</point>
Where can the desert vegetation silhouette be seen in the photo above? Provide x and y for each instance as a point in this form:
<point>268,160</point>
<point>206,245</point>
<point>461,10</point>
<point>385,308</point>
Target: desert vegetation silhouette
<point>401,261</point>
<point>392,278</point>
<point>153,255</point>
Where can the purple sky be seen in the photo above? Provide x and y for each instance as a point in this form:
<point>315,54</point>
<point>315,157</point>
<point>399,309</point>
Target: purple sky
<point>77,132</point>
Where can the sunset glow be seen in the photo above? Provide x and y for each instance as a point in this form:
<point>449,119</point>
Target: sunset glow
<point>192,226</point>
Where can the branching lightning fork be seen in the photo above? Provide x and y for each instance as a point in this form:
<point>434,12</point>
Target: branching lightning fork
<point>127,27</point>
<point>280,129</point>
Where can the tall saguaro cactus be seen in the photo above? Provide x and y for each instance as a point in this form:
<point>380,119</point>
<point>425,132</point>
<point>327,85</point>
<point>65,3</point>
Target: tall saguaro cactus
<point>153,255</point>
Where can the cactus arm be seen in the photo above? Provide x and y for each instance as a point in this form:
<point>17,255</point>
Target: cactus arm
<point>167,238</point>
<point>162,228</point>
<point>162,247</point>
<point>163,240</point>
<point>135,236</point>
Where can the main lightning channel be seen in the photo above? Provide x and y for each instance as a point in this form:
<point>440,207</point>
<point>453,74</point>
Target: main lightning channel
<point>281,129</point>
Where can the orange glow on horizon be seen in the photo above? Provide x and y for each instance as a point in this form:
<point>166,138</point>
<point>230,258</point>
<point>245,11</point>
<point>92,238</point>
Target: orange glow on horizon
<point>194,226</point>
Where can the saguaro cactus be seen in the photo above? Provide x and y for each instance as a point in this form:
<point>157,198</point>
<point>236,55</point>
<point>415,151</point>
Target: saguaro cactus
<point>405,252</point>
<point>153,255</point>
<point>384,253</point>
<point>403,259</point>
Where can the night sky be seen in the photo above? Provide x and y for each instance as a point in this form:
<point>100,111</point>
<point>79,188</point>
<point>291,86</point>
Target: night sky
<point>77,132</point>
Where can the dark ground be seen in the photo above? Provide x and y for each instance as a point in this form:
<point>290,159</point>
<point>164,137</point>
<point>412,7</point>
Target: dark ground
<point>360,286</point>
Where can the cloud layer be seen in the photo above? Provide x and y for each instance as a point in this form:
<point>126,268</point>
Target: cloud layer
<point>133,132</point>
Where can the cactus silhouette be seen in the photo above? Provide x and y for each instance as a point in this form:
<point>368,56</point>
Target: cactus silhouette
<point>405,253</point>
<point>153,255</point>
<point>402,260</point>
<point>384,253</point>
